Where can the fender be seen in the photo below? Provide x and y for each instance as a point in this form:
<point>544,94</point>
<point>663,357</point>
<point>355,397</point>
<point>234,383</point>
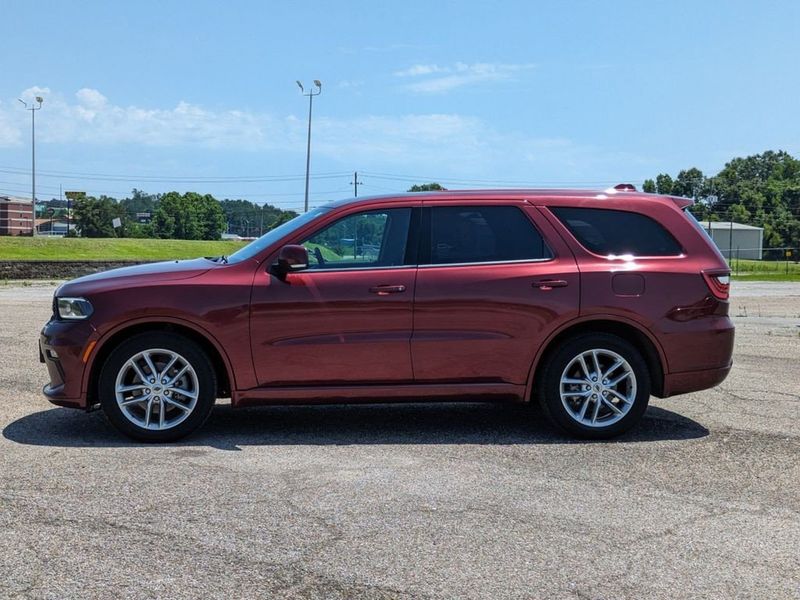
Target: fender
<point>586,319</point>
<point>101,341</point>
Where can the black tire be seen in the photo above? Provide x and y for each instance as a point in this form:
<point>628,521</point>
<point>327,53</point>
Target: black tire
<point>548,388</point>
<point>191,353</point>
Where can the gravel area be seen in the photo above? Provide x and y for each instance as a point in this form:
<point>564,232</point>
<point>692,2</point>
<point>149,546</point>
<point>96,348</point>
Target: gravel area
<point>410,501</point>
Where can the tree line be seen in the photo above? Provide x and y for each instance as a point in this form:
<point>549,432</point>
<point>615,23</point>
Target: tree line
<point>187,216</point>
<point>761,190</point>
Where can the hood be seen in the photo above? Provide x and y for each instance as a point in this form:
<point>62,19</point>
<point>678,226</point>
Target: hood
<point>152,272</point>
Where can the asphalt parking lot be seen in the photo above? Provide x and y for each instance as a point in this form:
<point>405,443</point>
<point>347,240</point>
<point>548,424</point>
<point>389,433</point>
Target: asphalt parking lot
<point>451,501</point>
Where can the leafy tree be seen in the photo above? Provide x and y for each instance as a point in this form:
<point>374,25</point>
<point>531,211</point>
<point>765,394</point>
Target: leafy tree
<point>173,218</point>
<point>649,186</point>
<point>761,190</point>
<point>664,183</point>
<point>188,216</point>
<point>688,183</point>
<point>427,187</point>
<point>139,202</point>
<point>244,218</point>
<point>94,216</point>
<point>211,219</point>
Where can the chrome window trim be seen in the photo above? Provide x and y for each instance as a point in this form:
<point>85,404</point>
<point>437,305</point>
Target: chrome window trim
<point>491,262</point>
<point>345,269</point>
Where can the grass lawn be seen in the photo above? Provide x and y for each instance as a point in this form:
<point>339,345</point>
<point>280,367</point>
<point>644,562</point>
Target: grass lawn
<point>765,270</point>
<point>40,248</point>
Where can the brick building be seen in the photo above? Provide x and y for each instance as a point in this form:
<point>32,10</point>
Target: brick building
<point>16,216</point>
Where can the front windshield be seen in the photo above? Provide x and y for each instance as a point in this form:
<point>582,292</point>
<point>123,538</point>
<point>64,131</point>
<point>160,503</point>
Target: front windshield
<point>273,235</point>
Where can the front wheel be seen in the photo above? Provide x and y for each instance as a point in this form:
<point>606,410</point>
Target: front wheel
<point>594,386</point>
<point>156,387</point>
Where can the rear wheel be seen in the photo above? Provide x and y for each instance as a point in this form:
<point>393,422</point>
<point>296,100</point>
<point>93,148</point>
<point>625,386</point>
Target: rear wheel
<point>594,386</point>
<point>157,387</point>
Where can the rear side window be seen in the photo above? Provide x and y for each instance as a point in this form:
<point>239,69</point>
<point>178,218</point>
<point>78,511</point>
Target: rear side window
<point>475,234</point>
<point>617,232</point>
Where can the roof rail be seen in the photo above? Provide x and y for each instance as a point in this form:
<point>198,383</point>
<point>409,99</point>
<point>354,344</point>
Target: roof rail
<point>625,187</point>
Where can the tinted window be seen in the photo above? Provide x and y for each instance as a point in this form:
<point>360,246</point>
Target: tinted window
<point>605,232</point>
<point>273,235</point>
<point>368,239</point>
<point>470,234</point>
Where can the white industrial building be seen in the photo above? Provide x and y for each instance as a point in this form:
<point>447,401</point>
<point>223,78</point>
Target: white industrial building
<point>736,240</point>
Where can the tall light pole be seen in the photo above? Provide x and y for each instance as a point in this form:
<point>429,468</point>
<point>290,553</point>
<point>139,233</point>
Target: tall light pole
<point>33,110</point>
<point>310,94</point>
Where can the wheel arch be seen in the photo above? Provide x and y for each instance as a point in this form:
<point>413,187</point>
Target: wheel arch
<point>634,333</point>
<point>218,358</point>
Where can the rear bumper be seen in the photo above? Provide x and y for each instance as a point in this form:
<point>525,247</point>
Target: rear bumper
<point>694,381</point>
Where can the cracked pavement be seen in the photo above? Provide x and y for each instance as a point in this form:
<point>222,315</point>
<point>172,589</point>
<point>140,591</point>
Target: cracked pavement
<point>410,501</point>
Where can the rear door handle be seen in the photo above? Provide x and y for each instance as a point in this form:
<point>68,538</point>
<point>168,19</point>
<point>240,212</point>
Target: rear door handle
<point>549,284</point>
<point>385,290</point>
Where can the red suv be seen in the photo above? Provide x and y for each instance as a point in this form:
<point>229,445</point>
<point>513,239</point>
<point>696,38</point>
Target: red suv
<point>585,302</point>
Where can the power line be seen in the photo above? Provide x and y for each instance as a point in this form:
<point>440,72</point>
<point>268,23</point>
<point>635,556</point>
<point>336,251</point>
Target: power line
<point>464,181</point>
<point>183,180</point>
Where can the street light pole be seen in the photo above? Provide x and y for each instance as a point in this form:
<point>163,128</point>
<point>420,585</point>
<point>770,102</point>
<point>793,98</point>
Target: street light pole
<point>33,110</point>
<point>310,94</point>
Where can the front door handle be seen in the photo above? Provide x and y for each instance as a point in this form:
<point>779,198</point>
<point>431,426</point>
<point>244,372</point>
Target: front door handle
<point>385,290</point>
<point>549,284</point>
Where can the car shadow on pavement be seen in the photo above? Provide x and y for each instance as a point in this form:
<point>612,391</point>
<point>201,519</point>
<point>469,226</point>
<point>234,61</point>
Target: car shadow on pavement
<point>434,423</point>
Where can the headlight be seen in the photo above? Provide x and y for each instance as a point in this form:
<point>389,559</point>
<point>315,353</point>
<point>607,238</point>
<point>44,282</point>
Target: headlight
<point>74,308</point>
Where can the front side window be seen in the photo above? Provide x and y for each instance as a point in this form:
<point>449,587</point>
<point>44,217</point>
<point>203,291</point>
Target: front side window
<point>617,232</point>
<point>475,234</point>
<point>369,239</point>
<point>273,235</point>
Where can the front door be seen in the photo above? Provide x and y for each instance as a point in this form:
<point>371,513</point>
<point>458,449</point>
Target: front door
<point>347,319</point>
<point>490,288</point>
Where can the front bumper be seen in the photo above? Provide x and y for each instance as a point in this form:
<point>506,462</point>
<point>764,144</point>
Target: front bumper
<point>61,348</point>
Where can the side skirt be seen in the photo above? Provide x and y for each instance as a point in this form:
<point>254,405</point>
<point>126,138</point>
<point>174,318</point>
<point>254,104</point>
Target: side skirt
<point>426,392</point>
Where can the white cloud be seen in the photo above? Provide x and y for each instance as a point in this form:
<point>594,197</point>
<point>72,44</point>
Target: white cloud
<point>403,139</point>
<point>444,143</point>
<point>90,118</point>
<point>416,70</point>
<point>439,79</point>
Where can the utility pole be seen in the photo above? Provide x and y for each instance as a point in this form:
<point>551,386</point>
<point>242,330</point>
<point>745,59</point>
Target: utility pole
<point>310,94</point>
<point>355,183</point>
<point>33,110</point>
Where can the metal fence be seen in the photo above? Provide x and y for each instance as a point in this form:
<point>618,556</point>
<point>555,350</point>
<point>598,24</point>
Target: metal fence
<point>773,260</point>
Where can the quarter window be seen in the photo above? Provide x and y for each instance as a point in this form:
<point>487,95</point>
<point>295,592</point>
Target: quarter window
<point>618,232</point>
<point>368,239</point>
<point>474,234</point>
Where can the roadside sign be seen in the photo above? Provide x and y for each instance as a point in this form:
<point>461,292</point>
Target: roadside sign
<point>74,195</point>
<point>117,222</point>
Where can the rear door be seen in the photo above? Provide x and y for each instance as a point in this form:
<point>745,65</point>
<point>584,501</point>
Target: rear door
<point>494,280</point>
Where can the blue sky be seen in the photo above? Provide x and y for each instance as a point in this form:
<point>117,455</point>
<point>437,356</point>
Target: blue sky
<point>201,95</point>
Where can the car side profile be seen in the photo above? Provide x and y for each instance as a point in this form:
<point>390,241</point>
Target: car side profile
<point>585,302</point>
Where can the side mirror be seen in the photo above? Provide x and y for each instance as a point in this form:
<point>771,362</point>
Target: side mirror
<point>290,258</point>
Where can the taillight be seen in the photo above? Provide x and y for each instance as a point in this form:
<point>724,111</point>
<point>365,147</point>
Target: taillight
<point>719,283</point>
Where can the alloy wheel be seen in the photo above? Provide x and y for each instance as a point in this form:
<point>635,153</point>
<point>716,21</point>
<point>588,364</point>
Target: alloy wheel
<point>598,388</point>
<point>157,389</point>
